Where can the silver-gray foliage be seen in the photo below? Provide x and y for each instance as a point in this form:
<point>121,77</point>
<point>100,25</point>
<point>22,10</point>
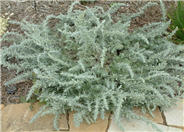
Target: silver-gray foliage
<point>89,62</point>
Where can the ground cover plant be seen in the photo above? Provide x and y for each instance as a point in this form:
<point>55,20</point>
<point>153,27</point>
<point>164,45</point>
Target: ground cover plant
<point>89,62</point>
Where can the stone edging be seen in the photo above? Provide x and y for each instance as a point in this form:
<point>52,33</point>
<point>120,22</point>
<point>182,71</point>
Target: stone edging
<point>15,118</point>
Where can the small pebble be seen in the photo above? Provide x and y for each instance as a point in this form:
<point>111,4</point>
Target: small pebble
<point>11,89</point>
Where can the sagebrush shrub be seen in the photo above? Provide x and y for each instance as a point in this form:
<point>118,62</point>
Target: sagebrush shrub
<point>89,62</point>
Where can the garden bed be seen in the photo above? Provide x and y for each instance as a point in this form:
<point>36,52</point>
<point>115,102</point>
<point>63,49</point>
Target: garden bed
<point>37,12</point>
<point>88,63</point>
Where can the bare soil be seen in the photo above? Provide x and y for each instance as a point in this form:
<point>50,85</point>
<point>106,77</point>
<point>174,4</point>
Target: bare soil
<point>36,11</point>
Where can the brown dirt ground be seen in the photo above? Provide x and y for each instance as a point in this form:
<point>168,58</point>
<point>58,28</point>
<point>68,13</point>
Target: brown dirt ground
<point>37,12</point>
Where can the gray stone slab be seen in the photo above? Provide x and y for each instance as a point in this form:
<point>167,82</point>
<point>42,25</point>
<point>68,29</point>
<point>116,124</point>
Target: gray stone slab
<point>175,115</point>
<point>139,126</point>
